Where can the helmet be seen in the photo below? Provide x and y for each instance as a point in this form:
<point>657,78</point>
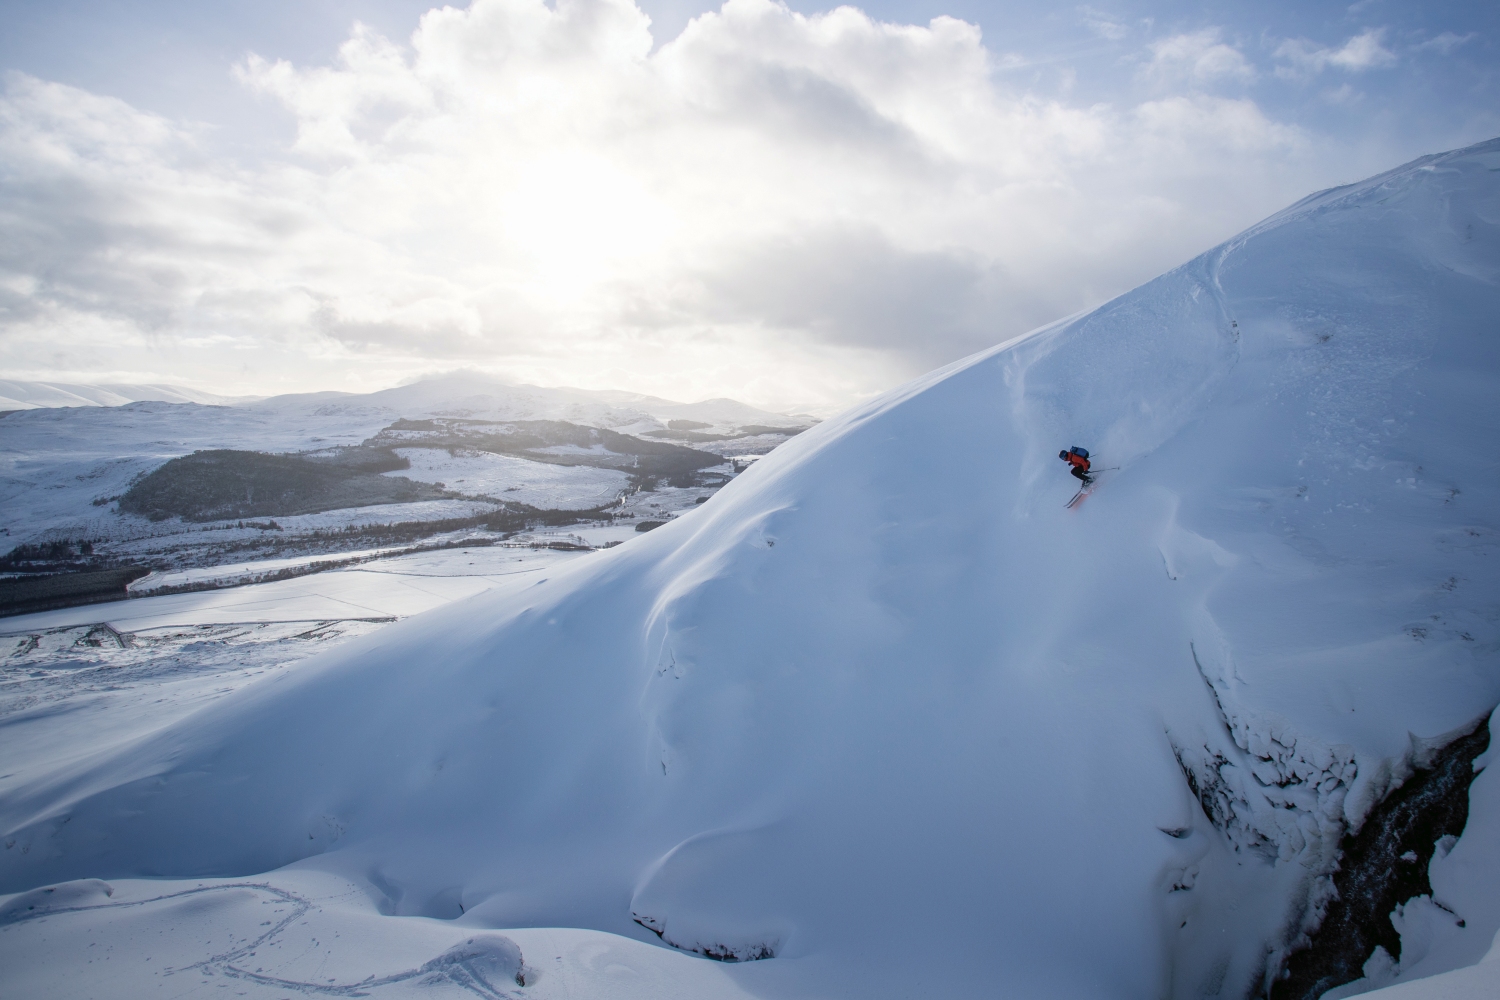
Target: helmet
<point>1062,454</point>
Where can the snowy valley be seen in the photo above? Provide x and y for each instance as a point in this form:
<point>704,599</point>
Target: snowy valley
<point>273,485</point>
<point>879,718</point>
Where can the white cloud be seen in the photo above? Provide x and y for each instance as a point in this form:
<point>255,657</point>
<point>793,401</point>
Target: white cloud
<point>1301,57</point>
<point>1197,58</point>
<point>1445,42</point>
<point>1102,24</point>
<point>783,208</point>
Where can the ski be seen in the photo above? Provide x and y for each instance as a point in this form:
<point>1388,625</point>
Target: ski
<point>1084,491</point>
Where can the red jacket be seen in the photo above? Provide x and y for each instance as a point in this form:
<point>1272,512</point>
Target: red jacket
<point>1078,460</point>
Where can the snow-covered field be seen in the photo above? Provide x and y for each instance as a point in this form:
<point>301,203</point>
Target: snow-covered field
<point>547,487</point>
<point>65,461</point>
<point>881,719</point>
<point>56,494</point>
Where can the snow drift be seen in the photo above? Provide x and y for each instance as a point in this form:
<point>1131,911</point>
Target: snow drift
<point>887,712</point>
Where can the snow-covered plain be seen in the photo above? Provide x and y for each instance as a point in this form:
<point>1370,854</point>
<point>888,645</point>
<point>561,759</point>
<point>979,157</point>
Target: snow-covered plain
<point>547,487</point>
<point>883,713</point>
<point>65,459</point>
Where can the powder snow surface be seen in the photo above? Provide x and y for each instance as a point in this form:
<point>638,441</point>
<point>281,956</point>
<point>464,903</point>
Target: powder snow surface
<point>883,708</point>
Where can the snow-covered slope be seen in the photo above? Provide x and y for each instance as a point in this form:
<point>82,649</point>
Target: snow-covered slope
<point>885,710</point>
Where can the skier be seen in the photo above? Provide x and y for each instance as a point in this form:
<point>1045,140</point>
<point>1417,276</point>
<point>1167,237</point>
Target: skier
<point>1078,458</point>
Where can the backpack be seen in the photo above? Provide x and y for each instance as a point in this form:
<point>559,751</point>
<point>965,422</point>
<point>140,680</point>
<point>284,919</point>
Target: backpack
<point>1080,452</point>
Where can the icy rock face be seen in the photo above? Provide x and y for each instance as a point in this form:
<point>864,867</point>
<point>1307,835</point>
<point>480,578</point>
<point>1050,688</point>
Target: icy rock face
<point>1276,799</point>
<point>1383,912</point>
<point>1283,800</point>
<point>883,696</point>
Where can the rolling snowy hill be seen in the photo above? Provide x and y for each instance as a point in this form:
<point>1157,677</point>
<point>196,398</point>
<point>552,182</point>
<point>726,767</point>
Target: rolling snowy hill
<point>882,718</point>
<point>37,395</point>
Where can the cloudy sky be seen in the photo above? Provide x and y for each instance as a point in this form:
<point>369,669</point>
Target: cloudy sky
<point>796,206</point>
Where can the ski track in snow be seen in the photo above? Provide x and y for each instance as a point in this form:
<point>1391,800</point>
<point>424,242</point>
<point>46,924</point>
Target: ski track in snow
<point>310,934</point>
<point>460,969</point>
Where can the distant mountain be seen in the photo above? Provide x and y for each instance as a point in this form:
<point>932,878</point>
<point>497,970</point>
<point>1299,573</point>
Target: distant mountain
<point>460,394</point>
<point>35,395</point>
<point>474,396</point>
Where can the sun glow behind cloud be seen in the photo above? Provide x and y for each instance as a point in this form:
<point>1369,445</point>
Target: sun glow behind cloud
<point>795,210</point>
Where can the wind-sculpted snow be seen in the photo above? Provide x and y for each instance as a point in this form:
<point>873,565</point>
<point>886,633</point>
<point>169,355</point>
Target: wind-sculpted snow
<point>883,719</point>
